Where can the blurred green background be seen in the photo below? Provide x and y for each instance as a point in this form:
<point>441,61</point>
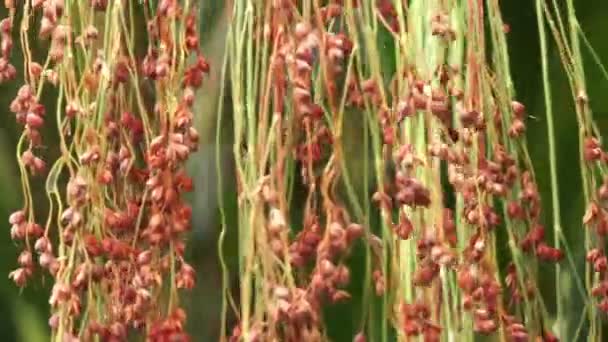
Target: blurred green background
<point>25,312</point>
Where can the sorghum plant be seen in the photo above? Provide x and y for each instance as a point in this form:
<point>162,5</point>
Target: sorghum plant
<point>381,127</point>
<point>440,141</point>
<point>126,74</point>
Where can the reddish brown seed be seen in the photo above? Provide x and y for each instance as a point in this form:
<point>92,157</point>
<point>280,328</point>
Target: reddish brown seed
<point>17,217</point>
<point>38,165</point>
<point>42,245</point>
<point>592,150</point>
<point>34,120</point>
<point>277,247</point>
<point>593,254</point>
<point>518,109</point>
<point>603,192</point>
<point>20,276</point>
<point>411,328</point>
<point>340,296</point>
<point>379,287</point>
<point>600,264</point>
<point>517,128</point>
<point>466,281</point>
<point>354,231</point>
<point>549,337</point>
<point>92,245</point>
<point>514,210</point>
<point>600,290</point>
<point>54,321</point>
<point>46,27</point>
<point>302,29</point>
<point>33,230</point>
<point>547,253</point>
<point>99,5</point>
<point>105,177</point>
<point>469,118</point>
<point>342,275</point>
<point>591,213</point>
<point>46,260</point>
<point>25,259</point>
<point>485,326</point>
<point>360,337</point>
<point>603,305</point>
<point>405,227</point>
<point>327,268</point>
<point>424,275</point>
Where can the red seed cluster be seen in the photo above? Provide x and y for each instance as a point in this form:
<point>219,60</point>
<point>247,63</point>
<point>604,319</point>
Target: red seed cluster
<point>595,221</point>
<point>7,70</point>
<point>515,330</point>
<point>421,119</point>
<point>116,243</point>
<point>416,321</point>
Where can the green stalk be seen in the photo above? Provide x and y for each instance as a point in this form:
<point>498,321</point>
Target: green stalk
<point>562,327</point>
<point>222,235</point>
<point>585,122</point>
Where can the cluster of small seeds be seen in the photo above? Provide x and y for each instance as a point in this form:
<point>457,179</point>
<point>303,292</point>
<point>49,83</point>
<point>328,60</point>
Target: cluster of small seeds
<point>299,71</point>
<point>323,69</point>
<point>596,221</point>
<point>114,241</point>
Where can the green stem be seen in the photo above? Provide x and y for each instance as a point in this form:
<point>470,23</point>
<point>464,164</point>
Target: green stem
<point>561,324</point>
